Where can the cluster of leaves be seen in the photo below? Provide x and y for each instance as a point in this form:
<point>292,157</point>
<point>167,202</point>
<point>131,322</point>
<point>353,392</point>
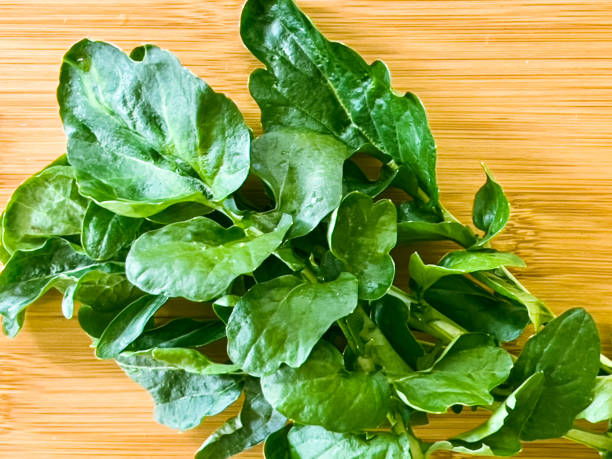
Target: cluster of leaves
<point>334,360</point>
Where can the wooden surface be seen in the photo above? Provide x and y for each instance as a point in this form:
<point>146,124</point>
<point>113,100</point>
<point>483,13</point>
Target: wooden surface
<point>524,86</point>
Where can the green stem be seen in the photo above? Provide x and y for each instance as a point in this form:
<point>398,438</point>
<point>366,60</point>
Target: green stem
<point>428,319</point>
<point>600,442</point>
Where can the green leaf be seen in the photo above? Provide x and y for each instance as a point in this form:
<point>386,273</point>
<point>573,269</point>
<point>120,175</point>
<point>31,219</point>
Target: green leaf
<point>327,87</point>
<point>491,209</point>
<point>500,434</point>
<point>459,262</point>
<point>357,401</point>
<point>354,179</point>
<point>12,326</point>
<point>392,316</point>
<point>191,361</point>
<point>600,408</point>
<point>68,301</point>
<point>277,444</point>
<point>28,275</point>
<point>106,288</point>
<point>47,204</point>
<point>566,351</point>
<point>409,232</point>
<point>141,128</point>
<point>206,257</point>
<point>467,371</point>
<point>93,321</point>
<point>361,235</point>
<point>128,325</point>
<point>179,213</point>
<point>224,306</point>
<point>105,234</point>
<point>312,442</point>
<point>475,309</point>
<point>182,332</point>
<point>304,171</point>
<point>256,421</point>
<point>536,309</point>
<point>281,320</point>
<point>182,399</point>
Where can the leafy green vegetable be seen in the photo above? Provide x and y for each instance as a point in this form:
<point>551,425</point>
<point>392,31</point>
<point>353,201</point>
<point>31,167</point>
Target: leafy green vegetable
<point>476,309</point>
<point>149,204</point>
<point>128,325</point>
<point>256,421</point>
<point>361,235</point>
<point>281,320</point>
<point>327,87</point>
<point>47,204</point>
<point>566,351</point>
<point>465,374</point>
<point>459,262</point>
<point>600,408</point>
<point>105,234</point>
<point>491,209</point>
<point>140,128</point>
<point>357,401</point>
<point>312,442</point>
<point>182,399</point>
<point>183,332</point>
<point>28,275</point>
<point>279,159</point>
<point>206,257</point>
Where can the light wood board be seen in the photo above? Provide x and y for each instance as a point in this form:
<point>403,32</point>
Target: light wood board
<point>524,85</point>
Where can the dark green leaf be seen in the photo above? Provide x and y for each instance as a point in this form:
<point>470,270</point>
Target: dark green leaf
<point>105,234</point>
<point>141,128</point>
<point>47,204</point>
<point>182,399</point>
<point>327,87</point>
<point>224,306</point>
<point>206,257</point>
<point>567,352</point>
<point>312,442</point>
<point>28,275</point>
<point>322,392</point>
<point>361,235</point>
<point>190,360</point>
<point>536,309</point>
<point>491,209</point>
<point>183,332</point>
<point>256,421</point>
<point>94,322</point>
<point>391,315</point>
<point>500,434</point>
<point>466,372</point>
<point>354,179</point>
<point>128,325</point>
<point>106,288</point>
<point>304,171</point>
<point>475,309</point>
<point>409,232</point>
<point>277,444</point>
<point>281,320</point>
<point>179,213</point>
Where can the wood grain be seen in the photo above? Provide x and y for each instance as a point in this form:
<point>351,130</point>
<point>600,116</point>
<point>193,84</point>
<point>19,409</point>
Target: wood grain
<point>523,85</point>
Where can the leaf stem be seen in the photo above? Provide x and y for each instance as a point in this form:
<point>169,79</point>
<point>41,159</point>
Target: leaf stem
<point>428,319</point>
<point>600,442</point>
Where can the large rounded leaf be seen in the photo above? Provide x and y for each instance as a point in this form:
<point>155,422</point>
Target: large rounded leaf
<point>281,320</point>
<point>141,128</point>
<point>198,259</point>
<point>321,392</point>
<point>304,171</point>
<point>47,204</point>
<point>361,235</point>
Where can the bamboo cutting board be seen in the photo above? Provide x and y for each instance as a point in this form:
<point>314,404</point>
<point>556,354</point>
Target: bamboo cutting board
<point>524,85</point>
